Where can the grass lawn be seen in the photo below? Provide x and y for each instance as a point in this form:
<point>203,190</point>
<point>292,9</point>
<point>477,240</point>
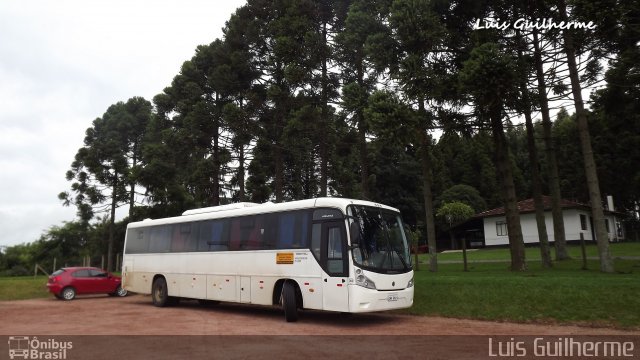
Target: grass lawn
<point>533,253</point>
<point>23,287</point>
<point>564,294</point>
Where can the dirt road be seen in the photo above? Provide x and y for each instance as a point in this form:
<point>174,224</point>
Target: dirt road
<point>264,332</point>
<point>135,315</point>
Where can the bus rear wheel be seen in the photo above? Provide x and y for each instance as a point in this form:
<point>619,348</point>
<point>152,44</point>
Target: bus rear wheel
<point>160,293</point>
<point>289,304</point>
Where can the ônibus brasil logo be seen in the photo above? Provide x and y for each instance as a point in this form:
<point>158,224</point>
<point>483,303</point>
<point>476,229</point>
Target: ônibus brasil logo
<point>25,347</point>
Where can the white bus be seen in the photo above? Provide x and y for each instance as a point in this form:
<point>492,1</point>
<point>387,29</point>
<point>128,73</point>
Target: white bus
<point>327,254</point>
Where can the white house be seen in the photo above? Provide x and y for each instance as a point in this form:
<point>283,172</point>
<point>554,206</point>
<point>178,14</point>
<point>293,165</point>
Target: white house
<point>577,223</point>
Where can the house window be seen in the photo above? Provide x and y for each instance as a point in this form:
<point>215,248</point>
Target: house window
<point>501,228</point>
<point>606,224</point>
<point>583,222</point>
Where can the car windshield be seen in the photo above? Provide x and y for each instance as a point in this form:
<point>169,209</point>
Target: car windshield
<point>378,240</point>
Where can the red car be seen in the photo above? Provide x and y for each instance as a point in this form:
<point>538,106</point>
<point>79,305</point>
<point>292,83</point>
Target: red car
<point>66,283</point>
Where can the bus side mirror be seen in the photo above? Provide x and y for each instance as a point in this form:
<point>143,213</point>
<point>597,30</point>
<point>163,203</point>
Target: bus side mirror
<point>354,233</point>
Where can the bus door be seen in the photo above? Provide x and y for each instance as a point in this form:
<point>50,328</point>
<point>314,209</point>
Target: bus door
<point>335,292</point>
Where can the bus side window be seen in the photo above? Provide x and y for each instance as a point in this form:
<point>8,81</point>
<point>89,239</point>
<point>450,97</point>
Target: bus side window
<point>270,236</point>
<point>206,229</point>
<point>246,227</point>
<point>301,239</point>
<point>160,239</point>
<point>137,242</point>
<point>181,233</point>
<point>219,240</point>
<point>191,242</point>
<point>293,230</point>
<point>316,232</point>
<point>334,251</point>
<point>235,235</point>
<point>286,227</point>
<point>256,234</point>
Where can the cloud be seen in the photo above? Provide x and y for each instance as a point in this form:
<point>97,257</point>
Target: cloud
<point>62,64</point>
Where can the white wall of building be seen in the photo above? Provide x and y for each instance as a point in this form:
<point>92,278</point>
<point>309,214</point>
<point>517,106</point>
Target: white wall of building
<point>572,227</point>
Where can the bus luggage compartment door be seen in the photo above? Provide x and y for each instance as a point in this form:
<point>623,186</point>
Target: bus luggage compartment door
<point>245,289</point>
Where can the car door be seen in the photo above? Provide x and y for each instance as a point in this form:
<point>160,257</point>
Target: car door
<point>101,283</point>
<point>82,281</point>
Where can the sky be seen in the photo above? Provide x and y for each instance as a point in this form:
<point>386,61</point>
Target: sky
<point>62,64</point>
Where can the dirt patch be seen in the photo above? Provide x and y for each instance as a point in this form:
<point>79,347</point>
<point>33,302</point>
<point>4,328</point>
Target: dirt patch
<point>135,315</point>
<point>101,327</point>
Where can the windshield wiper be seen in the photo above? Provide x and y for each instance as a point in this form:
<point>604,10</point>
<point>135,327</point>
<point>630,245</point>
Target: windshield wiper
<point>385,227</point>
<point>404,263</point>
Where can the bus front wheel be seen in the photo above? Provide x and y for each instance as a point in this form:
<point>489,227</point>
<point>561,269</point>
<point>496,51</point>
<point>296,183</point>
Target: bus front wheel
<point>289,302</point>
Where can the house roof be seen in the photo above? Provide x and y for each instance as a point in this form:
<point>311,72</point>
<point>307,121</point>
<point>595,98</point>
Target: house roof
<point>526,206</point>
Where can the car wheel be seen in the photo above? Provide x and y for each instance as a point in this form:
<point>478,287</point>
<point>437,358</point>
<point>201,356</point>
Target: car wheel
<point>121,292</point>
<point>289,302</point>
<point>68,293</point>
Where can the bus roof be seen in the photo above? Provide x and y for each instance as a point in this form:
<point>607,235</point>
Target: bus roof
<point>241,209</point>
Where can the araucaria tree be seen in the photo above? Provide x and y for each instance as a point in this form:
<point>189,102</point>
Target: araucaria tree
<point>490,78</point>
<point>103,167</point>
<point>606,263</point>
<point>401,102</point>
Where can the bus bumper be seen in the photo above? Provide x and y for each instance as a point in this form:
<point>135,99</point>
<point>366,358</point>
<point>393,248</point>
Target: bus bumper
<point>368,300</point>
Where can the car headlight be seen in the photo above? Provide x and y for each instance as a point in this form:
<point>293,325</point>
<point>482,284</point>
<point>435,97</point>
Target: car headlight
<point>364,281</point>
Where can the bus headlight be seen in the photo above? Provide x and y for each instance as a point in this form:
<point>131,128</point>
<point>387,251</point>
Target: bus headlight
<point>364,281</point>
<point>410,284</point>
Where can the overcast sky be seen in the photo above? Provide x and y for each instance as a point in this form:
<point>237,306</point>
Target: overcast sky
<point>62,64</point>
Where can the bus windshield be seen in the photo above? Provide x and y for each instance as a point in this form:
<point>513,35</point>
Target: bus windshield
<point>378,240</point>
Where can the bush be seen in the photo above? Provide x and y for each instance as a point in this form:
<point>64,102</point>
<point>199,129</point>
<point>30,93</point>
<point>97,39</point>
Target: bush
<point>18,270</point>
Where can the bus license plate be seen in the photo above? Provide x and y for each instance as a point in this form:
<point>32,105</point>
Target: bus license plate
<point>391,298</point>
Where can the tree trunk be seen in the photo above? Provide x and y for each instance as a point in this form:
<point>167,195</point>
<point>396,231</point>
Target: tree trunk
<point>279,176</point>
<point>606,263</point>
<point>362,139</point>
<point>560,242</point>
<point>215,186</point>
<point>324,121</point>
<point>280,112</point>
<point>464,253</point>
<point>241,195</point>
<point>425,142</point>
<point>112,223</point>
<point>364,163</point>
<point>241,159</point>
<point>536,181</point>
<point>505,174</point>
<point>132,192</point>
<point>545,253</point>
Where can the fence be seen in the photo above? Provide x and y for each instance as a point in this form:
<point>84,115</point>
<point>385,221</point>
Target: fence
<point>86,262</point>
